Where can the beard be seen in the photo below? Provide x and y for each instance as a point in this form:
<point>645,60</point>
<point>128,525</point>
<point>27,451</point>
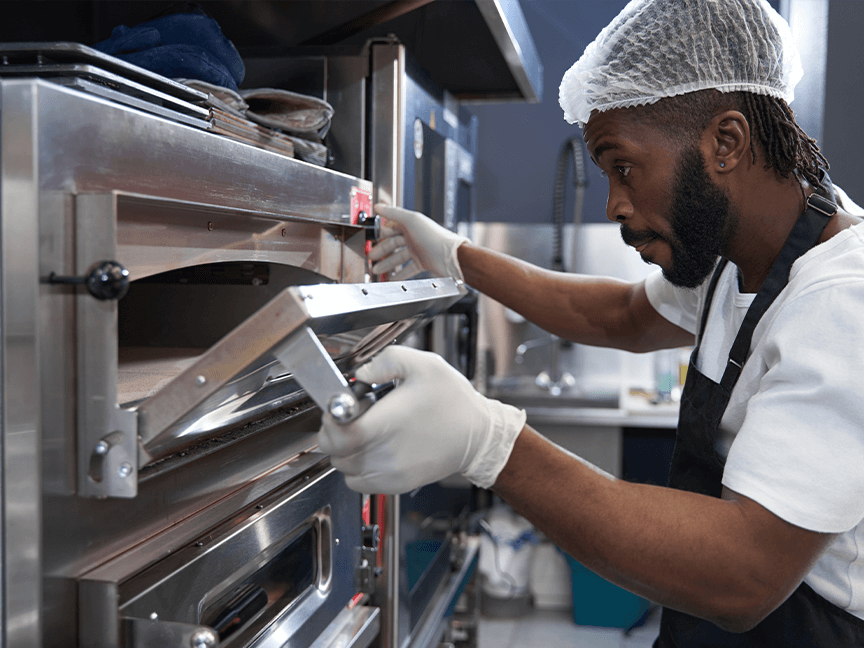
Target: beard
<point>701,220</point>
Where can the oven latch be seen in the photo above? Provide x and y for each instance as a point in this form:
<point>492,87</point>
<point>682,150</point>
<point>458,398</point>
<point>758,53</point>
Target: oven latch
<point>367,572</point>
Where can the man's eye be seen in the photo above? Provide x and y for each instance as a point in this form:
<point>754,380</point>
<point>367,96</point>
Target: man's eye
<point>624,171</point>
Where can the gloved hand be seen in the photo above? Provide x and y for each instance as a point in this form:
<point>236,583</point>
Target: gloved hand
<point>431,425</point>
<point>415,242</point>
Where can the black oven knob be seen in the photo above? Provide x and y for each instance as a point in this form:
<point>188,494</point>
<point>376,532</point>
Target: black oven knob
<point>105,280</point>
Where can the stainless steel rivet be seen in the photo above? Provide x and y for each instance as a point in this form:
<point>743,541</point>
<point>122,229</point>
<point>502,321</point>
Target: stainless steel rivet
<point>102,448</point>
<point>124,470</point>
<point>201,380</point>
<point>204,638</point>
<point>154,616</point>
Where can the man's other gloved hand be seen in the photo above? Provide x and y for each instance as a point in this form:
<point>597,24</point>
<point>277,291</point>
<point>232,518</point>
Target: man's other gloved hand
<point>411,240</point>
<point>431,425</point>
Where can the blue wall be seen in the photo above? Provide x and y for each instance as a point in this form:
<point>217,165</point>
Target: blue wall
<point>518,144</point>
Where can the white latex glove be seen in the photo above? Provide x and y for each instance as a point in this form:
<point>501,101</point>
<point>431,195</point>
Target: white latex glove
<point>431,425</point>
<point>415,242</point>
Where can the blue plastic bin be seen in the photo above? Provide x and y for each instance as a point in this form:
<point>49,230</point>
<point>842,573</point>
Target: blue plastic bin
<point>597,602</point>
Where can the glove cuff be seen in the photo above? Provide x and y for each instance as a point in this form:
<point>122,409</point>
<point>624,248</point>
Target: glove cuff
<point>505,424</point>
<point>452,260</point>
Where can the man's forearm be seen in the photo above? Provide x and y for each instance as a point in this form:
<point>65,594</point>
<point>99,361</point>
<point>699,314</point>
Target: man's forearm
<point>597,311</point>
<point>709,557</point>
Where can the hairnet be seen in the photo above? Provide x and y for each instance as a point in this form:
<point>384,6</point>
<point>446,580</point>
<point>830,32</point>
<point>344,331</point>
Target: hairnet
<point>662,48</point>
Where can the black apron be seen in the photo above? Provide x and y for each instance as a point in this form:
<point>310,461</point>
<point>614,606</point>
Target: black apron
<point>805,619</point>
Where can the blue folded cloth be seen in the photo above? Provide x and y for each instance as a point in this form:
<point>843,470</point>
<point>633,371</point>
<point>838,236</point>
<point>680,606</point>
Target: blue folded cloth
<point>189,45</point>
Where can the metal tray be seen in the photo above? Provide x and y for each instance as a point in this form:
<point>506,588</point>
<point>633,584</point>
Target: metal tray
<point>43,55</point>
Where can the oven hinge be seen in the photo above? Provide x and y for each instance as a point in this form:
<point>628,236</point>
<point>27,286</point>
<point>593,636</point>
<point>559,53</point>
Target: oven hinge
<point>367,572</point>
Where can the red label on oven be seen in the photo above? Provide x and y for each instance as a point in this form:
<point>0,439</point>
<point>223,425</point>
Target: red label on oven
<point>361,205</point>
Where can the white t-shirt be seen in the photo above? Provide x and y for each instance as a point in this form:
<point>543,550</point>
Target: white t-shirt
<point>793,431</point>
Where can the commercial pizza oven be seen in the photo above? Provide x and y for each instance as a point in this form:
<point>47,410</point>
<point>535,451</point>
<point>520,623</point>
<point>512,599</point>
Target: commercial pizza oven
<point>177,307</point>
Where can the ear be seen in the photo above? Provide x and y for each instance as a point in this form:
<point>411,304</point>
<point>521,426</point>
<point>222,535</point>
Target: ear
<point>728,141</point>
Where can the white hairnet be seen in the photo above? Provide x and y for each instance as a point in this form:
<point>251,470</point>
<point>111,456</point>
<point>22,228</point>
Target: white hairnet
<point>662,48</point>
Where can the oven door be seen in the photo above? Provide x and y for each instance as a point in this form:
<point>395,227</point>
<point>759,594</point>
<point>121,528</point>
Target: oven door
<point>272,575</point>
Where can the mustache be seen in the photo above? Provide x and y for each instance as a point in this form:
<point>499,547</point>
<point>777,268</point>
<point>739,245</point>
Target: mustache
<point>637,237</point>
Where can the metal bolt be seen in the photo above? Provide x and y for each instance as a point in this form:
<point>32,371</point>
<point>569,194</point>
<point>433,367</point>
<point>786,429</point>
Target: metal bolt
<point>201,380</point>
<point>343,407</point>
<point>124,470</point>
<point>204,638</point>
<point>102,448</point>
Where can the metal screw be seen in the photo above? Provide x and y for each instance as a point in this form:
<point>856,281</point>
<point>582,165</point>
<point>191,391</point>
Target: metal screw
<point>199,544</point>
<point>125,470</point>
<point>201,380</point>
<point>343,407</point>
<point>102,448</point>
<point>259,506</point>
<point>336,541</point>
<point>154,616</point>
<point>204,638</point>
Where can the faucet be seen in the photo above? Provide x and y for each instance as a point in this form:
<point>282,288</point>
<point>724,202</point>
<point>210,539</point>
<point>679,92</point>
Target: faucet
<point>549,380</point>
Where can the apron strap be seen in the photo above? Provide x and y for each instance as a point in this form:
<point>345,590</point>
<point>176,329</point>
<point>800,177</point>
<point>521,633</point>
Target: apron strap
<point>804,235</point>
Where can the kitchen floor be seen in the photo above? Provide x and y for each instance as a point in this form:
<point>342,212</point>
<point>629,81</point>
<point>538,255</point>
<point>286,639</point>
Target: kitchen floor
<point>555,628</point>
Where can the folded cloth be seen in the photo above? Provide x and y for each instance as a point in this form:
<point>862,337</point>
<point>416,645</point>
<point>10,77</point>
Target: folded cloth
<point>309,151</point>
<point>223,98</point>
<point>288,111</point>
<point>188,44</point>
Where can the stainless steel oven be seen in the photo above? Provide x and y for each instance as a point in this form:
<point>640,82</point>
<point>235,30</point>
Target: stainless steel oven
<point>160,476</point>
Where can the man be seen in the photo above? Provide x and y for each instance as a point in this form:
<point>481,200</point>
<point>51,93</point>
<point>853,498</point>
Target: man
<point>756,541</point>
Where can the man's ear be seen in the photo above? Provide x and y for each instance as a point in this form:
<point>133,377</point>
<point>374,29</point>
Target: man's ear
<point>728,141</point>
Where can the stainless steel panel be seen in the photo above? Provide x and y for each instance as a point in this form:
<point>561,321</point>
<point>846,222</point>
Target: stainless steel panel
<point>354,628</point>
<point>107,435</point>
<point>117,148</point>
<point>388,123</point>
<point>179,588</point>
<point>431,629</point>
<point>156,235</point>
<point>510,31</point>
<point>21,564</point>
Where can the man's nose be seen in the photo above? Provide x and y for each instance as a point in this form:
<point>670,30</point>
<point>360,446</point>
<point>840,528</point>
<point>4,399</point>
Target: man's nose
<point>618,208</point>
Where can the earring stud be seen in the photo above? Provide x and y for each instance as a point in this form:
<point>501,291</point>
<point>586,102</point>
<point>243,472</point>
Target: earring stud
<point>722,164</point>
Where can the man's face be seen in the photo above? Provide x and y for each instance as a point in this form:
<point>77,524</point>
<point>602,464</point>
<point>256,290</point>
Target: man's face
<point>667,205</point>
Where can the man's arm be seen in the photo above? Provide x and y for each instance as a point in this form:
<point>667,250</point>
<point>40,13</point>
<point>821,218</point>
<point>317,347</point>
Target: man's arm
<point>584,309</point>
<point>728,560</point>
<point>590,310</point>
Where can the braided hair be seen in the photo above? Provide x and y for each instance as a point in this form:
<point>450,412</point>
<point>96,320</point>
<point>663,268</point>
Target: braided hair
<point>786,147</point>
